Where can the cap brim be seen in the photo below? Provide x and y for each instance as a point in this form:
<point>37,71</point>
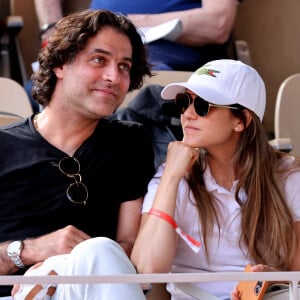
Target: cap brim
<point>209,94</point>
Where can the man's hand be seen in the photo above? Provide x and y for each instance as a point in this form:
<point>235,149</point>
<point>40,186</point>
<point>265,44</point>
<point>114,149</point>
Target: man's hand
<point>58,242</point>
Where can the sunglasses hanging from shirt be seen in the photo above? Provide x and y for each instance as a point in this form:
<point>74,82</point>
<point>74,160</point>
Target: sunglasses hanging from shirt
<point>77,191</point>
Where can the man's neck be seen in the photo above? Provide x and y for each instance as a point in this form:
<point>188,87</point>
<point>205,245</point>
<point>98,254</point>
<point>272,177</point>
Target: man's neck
<point>64,132</point>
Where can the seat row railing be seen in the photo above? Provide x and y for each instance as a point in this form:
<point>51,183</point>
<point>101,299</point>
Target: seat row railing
<point>291,277</point>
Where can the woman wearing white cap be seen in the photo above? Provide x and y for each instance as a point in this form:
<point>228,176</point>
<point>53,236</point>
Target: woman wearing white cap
<point>224,198</point>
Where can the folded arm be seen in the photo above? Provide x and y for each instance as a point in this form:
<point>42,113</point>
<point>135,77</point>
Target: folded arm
<point>156,243</point>
<point>210,24</point>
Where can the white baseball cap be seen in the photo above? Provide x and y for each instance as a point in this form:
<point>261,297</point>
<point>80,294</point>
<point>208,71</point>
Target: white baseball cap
<point>224,82</point>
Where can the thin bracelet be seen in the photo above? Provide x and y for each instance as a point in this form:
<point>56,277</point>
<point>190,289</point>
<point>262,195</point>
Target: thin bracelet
<point>191,242</point>
<point>46,27</point>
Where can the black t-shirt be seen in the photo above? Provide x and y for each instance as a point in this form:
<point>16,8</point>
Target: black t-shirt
<point>116,164</point>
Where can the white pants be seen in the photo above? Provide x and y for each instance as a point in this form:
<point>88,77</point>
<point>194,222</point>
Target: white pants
<point>97,256</point>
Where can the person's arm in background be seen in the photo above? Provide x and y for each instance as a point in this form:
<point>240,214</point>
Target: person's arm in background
<point>48,12</point>
<point>210,24</point>
<point>214,20</point>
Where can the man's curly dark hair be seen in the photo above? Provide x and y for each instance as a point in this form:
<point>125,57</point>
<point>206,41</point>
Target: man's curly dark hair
<point>71,36</point>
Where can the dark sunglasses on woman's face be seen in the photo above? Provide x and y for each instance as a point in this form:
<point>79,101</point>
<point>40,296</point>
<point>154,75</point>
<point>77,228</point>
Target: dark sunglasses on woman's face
<point>202,107</point>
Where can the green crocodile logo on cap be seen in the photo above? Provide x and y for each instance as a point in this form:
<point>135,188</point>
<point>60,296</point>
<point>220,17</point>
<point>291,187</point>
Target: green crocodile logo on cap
<point>206,71</point>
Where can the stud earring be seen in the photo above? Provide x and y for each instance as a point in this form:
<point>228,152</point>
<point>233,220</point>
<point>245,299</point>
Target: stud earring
<point>237,128</point>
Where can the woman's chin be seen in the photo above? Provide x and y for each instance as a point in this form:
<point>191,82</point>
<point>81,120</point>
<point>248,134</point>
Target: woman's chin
<point>191,143</point>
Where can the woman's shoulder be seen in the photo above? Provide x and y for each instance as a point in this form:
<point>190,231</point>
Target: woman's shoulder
<point>289,164</point>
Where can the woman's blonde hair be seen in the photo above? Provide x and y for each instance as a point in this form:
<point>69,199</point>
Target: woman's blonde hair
<point>266,222</point>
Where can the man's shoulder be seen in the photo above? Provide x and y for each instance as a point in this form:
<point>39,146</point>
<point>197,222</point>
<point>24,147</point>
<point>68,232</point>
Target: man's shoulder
<point>120,127</point>
<point>115,123</point>
<point>129,134</point>
<point>15,129</point>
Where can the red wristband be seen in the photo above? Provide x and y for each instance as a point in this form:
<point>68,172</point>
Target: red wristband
<point>192,243</point>
<point>163,216</point>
